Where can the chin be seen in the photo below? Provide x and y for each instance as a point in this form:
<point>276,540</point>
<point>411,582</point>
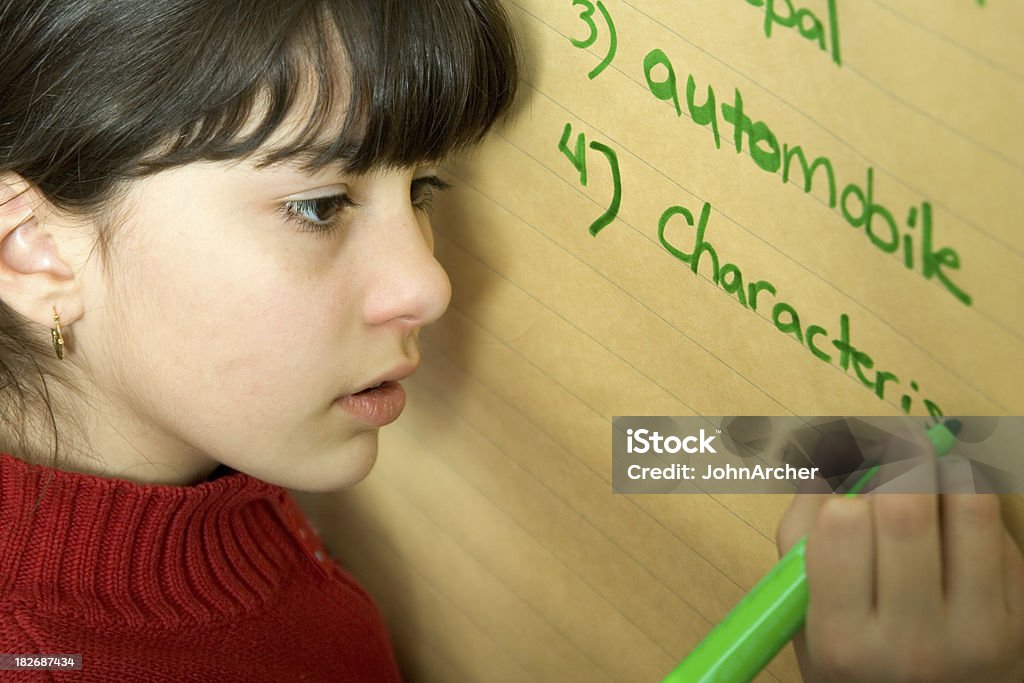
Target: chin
<point>339,469</point>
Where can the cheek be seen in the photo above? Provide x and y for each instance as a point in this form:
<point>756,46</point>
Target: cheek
<point>233,345</point>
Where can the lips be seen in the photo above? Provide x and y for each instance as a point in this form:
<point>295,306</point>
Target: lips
<point>381,401</point>
<point>376,406</point>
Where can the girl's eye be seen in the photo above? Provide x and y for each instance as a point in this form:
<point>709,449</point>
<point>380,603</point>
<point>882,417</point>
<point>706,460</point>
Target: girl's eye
<point>424,190</point>
<point>317,215</point>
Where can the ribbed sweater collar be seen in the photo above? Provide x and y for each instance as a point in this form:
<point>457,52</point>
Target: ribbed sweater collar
<point>103,549</point>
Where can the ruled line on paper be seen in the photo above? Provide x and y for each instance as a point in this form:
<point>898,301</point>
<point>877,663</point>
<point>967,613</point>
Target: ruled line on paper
<point>594,411</point>
<point>905,336</point>
<point>629,294</point>
<point>938,361</point>
<point>923,113</point>
<point>510,519</point>
<point>580,399</point>
<point>996,154</point>
<point>397,627</point>
<point>991,319</point>
<point>906,184</point>
<point>523,599</point>
<point>678,330</point>
<point>1005,69</point>
<point>438,531</point>
<point>440,399</point>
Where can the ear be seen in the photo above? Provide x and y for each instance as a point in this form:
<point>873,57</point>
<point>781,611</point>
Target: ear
<point>33,278</point>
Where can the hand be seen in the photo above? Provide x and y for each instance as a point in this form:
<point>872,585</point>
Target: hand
<point>908,587</point>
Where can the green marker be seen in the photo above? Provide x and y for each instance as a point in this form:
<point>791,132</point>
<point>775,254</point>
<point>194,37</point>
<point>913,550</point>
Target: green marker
<point>773,611</point>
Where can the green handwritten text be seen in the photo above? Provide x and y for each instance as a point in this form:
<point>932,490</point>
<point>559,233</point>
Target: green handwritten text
<point>913,239</point>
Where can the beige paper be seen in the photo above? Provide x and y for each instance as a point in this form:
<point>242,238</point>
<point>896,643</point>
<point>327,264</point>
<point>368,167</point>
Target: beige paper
<point>488,531</point>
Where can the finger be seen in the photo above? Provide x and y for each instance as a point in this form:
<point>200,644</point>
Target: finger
<point>908,559</point>
<point>840,565</point>
<point>1013,574</point>
<point>973,553</point>
<point>798,519</point>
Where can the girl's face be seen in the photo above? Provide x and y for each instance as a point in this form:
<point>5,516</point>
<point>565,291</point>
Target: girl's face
<point>242,304</point>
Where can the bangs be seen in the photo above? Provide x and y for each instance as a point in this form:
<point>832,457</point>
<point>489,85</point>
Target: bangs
<point>379,83</point>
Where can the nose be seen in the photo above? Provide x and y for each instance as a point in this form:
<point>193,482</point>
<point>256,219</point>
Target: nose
<point>407,286</point>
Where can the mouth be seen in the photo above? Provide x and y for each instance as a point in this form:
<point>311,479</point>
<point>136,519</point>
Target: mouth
<point>381,402</point>
<point>394,376</point>
<point>375,406</point>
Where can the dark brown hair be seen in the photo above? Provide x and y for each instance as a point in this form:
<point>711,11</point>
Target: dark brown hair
<point>96,93</point>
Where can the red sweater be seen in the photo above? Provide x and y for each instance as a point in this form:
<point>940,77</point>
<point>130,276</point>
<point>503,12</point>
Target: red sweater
<point>222,581</point>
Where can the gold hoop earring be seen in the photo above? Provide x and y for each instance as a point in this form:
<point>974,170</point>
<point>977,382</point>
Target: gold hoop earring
<point>55,334</point>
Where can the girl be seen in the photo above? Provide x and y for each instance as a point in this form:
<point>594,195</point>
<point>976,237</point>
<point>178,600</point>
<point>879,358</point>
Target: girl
<point>215,258</point>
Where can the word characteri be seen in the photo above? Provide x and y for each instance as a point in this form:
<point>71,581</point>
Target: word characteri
<point>755,295</point>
